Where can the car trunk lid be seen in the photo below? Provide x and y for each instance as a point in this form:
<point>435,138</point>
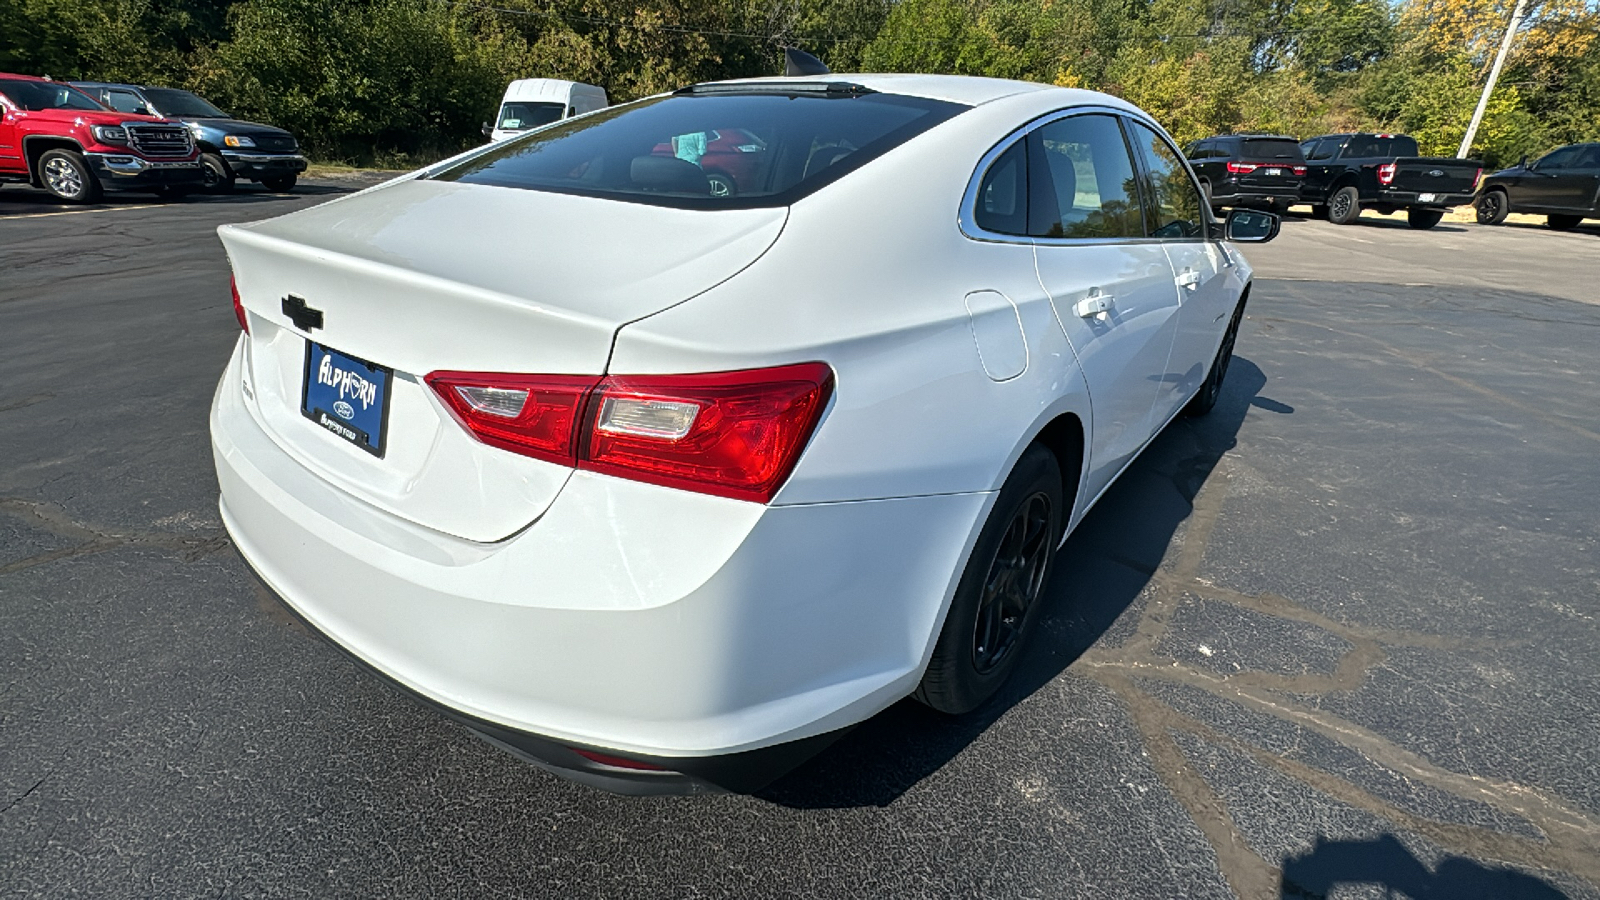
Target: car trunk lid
<point>423,276</point>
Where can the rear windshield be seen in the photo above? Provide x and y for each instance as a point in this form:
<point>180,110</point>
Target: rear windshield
<point>720,149</point>
<point>1269,148</point>
<point>1368,146</point>
<point>38,95</point>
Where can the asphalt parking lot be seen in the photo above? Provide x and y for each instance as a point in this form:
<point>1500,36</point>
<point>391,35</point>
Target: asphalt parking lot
<point>1335,640</point>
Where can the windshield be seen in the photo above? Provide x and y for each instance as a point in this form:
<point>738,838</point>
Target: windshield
<point>1258,148</point>
<point>522,116</point>
<point>721,149</point>
<point>175,103</point>
<point>37,95</point>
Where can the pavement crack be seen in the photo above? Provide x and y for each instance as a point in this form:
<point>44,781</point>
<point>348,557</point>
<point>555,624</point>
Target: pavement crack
<point>89,540</point>
<point>24,796</point>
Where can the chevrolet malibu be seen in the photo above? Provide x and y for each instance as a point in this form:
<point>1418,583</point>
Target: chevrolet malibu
<point>662,486</point>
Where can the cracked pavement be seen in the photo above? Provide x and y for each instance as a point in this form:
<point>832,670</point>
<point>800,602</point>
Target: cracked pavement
<point>1334,640</point>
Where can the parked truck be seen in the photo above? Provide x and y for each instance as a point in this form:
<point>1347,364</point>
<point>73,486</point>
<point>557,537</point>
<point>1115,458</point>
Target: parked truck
<point>1346,173</point>
<point>56,137</point>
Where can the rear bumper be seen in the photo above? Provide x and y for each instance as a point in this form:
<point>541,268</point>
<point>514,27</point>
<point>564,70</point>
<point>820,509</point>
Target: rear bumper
<point>1228,193</point>
<point>1416,199</point>
<point>256,166</point>
<point>721,640</point>
<point>125,172</point>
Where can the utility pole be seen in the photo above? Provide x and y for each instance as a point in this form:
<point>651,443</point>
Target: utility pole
<point>1494,75</point>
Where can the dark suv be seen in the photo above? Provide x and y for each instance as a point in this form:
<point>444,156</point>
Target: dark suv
<point>229,148</point>
<point>1249,170</point>
<point>1563,186</point>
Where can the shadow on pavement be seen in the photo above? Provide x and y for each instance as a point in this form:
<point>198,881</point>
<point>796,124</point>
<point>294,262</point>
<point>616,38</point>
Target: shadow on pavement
<point>20,200</point>
<point>1099,573</point>
<point>1386,863</point>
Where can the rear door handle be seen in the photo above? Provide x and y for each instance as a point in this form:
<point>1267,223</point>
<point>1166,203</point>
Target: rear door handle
<point>1096,304</point>
<point>1189,279</point>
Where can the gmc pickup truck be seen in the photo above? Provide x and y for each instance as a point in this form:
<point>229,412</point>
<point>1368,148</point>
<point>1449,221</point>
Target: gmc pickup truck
<point>1346,173</point>
<point>54,136</point>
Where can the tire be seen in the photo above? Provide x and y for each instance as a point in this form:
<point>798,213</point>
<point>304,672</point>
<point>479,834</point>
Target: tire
<point>721,185</point>
<point>1563,223</point>
<point>981,642</point>
<point>67,177</point>
<point>282,184</point>
<point>1492,207</point>
<point>1344,207</point>
<point>219,178</point>
<point>1210,391</point>
<point>1205,193</point>
<point>1423,219</point>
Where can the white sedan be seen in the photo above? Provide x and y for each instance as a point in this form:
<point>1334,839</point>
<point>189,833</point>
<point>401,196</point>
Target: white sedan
<point>662,444</point>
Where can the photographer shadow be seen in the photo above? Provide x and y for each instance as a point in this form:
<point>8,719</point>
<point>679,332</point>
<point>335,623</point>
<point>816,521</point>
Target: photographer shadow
<point>1387,863</point>
<point>1099,572</point>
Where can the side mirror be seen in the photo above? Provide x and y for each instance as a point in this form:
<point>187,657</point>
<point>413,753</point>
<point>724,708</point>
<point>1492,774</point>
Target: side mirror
<point>488,130</point>
<point>1250,226</point>
<point>1523,162</point>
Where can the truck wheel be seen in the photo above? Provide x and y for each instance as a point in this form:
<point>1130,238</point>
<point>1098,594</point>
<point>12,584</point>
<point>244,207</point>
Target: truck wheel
<point>1422,219</point>
<point>997,601</point>
<point>65,174</point>
<point>218,178</point>
<point>1563,223</point>
<point>1492,208</point>
<point>1344,207</point>
<point>280,185</point>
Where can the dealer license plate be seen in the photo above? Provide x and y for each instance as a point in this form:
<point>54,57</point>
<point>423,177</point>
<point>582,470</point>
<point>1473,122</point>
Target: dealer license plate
<point>1427,198</point>
<point>347,396</point>
<point>1274,171</point>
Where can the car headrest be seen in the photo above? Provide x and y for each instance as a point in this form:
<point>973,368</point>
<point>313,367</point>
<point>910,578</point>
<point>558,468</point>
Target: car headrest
<point>668,173</point>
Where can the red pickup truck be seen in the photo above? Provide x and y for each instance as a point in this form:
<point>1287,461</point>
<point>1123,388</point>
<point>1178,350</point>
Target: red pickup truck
<point>54,136</point>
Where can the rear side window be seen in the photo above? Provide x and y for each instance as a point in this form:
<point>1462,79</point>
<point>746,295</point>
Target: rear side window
<point>1268,149</point>
<point>1369,146</point>
<point>1321,149</point>
<point>722,149</point>
<point>1175,212</point>
<point>1081,181</point>
<point>1003,194</point>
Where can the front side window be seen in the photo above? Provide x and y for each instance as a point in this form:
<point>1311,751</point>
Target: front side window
<point>124,101</point>
<point>723,148</point>
<point>522,116</point>
<point>176,103</point>
<point>1559,159</point>
<point>38,95</point>
<point>1081,181</point>
<point>1175,204</point>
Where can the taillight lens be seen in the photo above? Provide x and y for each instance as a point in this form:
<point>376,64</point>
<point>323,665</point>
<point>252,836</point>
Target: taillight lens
<point>535,415</point>
<point>1386,173</point>
<point>1299,170</point>
<point>731,434</point>
<point>238,307</point>
<point>1477,179</point>
<point>1240,168</point>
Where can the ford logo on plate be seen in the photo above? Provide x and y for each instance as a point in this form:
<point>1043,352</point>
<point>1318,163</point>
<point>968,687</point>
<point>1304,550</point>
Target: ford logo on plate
<point>345,410</point>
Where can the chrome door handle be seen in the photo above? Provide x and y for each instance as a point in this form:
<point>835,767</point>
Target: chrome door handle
<point>1093,306</point>
<point>1189,279</point>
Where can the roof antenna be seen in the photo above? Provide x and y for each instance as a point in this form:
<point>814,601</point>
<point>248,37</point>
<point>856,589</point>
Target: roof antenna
<point>797,62</point>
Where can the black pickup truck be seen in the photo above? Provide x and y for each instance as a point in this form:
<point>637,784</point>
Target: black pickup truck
<point>1346,173</point>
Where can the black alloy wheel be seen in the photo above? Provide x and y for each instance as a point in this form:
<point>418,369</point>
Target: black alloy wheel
<point>1211,390</point>
<point>1492,208</point>
<point>218,178</point>
<point>1344,207</point>
<point>997,603</point>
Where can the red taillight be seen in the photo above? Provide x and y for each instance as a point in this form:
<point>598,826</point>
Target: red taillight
<point>1298,170</point>
<point>1386,173</point>
<point>1477,179</point>
<point>535,415</point>
<point>1239,168</point>
<point>238,307</point>
<point>732,434</point>
<point>617,762</point>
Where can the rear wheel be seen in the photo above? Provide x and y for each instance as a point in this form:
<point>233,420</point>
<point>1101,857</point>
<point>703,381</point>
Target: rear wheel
<point>997,601</point>
<point>65,175</point>
<point>218,178</point>
<point>1205,191</point>
<point>1344,207</point>
<point>1563,223</point>
<point>1211,390</point>
<point>1492,208</point>
<point>1423,218</point>
<point>721,185</point>
<point>281,184</point>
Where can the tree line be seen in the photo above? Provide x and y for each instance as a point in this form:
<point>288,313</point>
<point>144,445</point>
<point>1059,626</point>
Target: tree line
<point>406,81</point>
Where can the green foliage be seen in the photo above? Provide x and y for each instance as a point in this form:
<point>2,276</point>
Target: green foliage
<point>409,80</point>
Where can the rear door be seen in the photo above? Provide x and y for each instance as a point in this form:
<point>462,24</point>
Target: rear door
<point>1110,284</point>
<point>10,139</point>
<point>1175,216</point>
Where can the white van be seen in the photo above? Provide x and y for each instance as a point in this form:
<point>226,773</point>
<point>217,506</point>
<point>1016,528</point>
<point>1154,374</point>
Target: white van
<point>531,102</point>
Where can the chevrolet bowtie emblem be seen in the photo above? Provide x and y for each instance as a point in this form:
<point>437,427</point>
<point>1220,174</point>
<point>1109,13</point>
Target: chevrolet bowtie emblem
<point>304,317</point>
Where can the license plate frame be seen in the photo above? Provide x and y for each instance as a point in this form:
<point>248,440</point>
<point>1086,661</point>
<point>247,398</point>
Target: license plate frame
<point>344,384</point>
<point>1427,198</point>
